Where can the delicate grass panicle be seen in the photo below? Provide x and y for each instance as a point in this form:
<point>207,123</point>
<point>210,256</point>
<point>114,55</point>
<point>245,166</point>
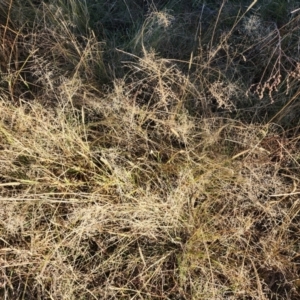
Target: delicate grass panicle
<point>149,150</point>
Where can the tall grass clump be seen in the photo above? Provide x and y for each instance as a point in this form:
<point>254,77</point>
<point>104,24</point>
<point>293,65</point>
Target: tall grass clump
<point>149,151</point>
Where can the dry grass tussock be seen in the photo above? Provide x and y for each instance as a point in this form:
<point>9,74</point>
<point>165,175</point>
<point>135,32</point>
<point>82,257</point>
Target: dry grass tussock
<point>138,189</point>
